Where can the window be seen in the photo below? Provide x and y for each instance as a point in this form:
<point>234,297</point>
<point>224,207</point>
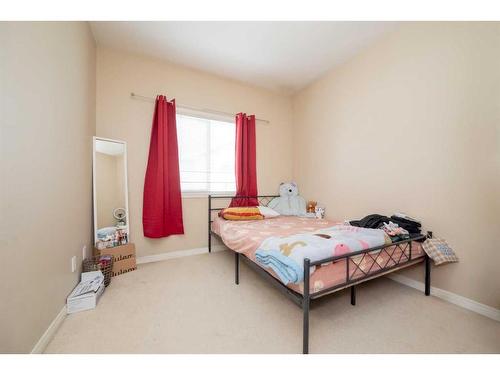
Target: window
<point>206,154</point>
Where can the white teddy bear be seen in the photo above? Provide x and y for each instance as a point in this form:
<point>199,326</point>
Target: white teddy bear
<point>289,202</point>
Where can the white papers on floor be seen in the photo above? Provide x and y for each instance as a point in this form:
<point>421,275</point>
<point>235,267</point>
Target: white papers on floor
<point>86,293</point>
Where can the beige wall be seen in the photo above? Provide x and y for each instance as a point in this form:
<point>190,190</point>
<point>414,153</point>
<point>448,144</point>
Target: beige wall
<point>412,124</point>
<point>47,99</point>
<point>119,117</point>
<point>110,188</point>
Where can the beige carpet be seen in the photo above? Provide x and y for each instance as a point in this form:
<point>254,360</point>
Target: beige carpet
<point>191,305</point>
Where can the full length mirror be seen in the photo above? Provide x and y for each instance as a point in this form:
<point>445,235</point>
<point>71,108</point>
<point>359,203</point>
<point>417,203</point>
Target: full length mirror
<point>111,227</point>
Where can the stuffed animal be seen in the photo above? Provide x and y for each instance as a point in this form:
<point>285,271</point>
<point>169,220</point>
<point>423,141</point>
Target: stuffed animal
<point>319,212</point>
<point>311,207</point>
<point>289,202</point>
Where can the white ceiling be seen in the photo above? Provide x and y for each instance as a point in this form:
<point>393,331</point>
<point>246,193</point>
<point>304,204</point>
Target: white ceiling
<point>283,56</point>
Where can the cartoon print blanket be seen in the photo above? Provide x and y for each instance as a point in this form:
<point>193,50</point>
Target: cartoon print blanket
<point>285,255</point>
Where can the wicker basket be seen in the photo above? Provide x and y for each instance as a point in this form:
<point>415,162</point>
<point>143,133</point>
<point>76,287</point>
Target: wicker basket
<point>103,263</point>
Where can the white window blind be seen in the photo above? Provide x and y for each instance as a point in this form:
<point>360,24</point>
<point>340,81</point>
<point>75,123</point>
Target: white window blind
<point>206,154</point>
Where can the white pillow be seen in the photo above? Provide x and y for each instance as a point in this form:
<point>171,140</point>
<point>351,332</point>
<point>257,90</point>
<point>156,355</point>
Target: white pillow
<point>268,212</point>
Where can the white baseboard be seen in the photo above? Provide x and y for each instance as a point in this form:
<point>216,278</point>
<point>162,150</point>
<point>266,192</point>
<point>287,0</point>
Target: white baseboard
<point>50,332</point>
<point>456,299</point>
<point>178,254</point>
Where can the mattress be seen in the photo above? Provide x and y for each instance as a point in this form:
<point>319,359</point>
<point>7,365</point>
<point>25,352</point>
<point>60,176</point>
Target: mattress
<point>246,236</point>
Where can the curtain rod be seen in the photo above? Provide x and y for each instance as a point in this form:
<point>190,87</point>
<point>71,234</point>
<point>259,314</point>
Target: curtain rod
<point>215,112</point>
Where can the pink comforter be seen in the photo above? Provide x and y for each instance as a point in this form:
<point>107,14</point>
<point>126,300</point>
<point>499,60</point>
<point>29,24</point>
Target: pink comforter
<point>246,236</point>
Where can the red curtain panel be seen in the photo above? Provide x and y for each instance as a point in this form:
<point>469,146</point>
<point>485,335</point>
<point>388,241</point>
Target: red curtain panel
<point>246,169</point>
<point>162,204</point>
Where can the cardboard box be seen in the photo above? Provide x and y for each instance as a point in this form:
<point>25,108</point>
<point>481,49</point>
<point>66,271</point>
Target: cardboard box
<point>123,258</point>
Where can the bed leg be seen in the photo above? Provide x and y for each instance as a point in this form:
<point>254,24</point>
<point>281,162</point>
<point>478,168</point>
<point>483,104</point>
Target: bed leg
<point>305,308</point>
<point>237,268</point>
<point>427,275</point>
<point>353,295</point>
<point>428,270</point>
<point>209,220</point>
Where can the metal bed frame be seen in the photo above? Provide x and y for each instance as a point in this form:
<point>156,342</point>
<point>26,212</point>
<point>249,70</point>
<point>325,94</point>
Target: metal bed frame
<point>351,279</point>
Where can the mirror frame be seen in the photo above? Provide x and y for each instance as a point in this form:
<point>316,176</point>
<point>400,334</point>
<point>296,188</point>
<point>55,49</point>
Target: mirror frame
<point>94,139</point>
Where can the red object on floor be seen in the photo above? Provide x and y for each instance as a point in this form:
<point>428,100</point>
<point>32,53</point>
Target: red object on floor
<point>162,203</point>
<point>246,168</point>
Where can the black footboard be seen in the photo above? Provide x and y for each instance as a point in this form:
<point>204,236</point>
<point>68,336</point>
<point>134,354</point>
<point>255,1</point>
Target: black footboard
<point>399,255</point>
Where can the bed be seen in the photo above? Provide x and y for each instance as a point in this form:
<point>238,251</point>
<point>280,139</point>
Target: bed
<point>329,274</point>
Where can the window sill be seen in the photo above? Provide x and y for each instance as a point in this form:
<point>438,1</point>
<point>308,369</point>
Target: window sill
<point>204,195</point>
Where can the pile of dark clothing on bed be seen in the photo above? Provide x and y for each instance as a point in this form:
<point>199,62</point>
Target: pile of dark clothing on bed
<point>398,226</point>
